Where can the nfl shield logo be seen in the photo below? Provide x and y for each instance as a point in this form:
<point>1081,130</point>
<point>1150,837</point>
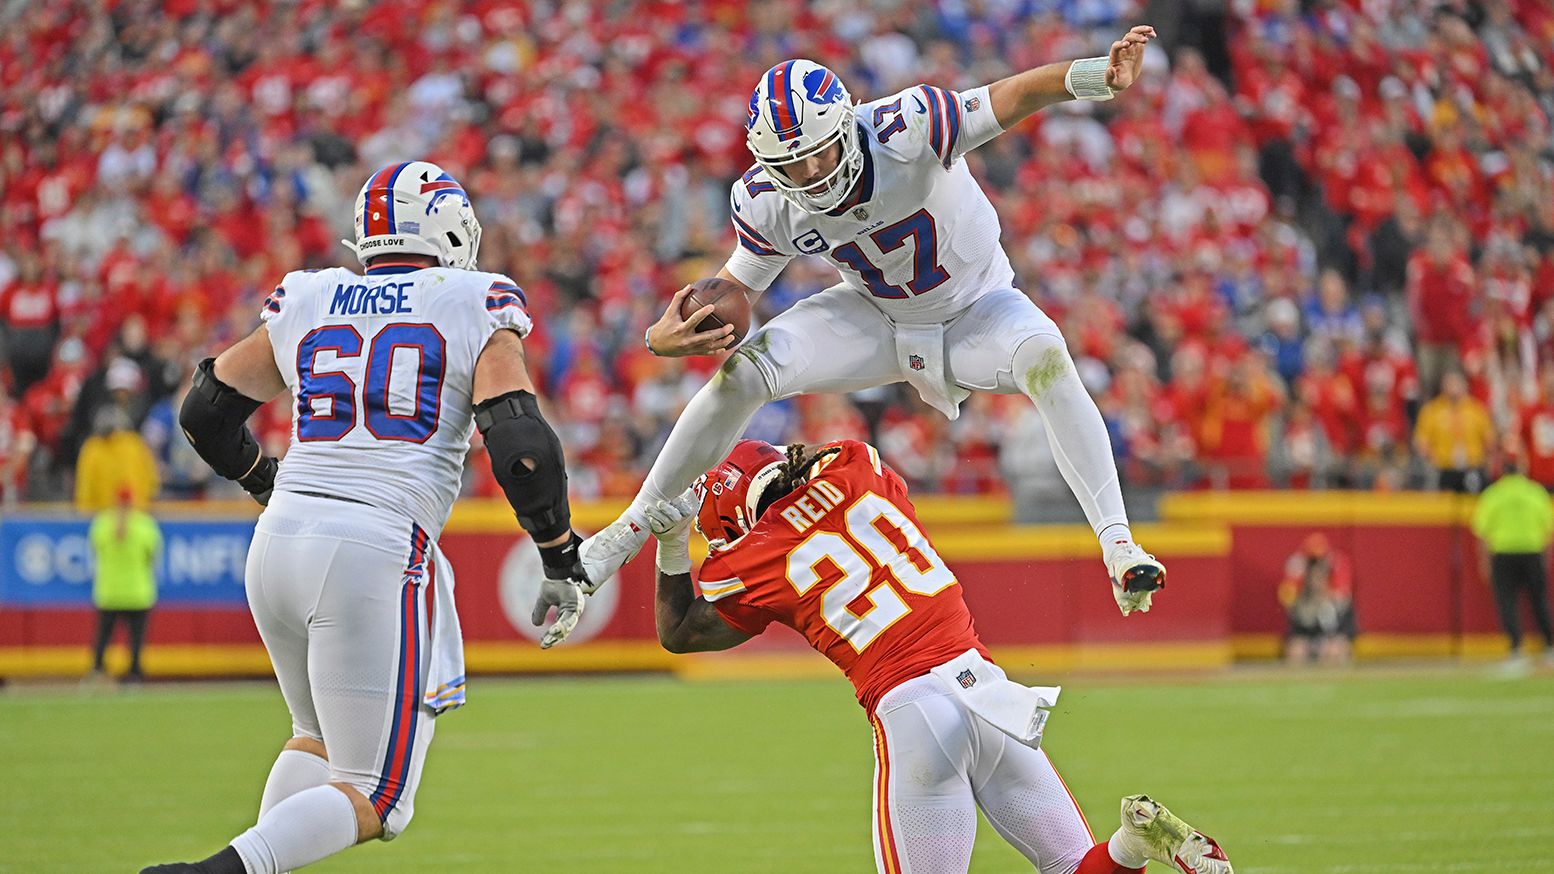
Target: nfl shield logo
<point>861,214</point>
<point>915,362</point>
<point>966,678</point>
<point>973,104</point>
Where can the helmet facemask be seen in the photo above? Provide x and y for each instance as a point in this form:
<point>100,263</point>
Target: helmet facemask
<point>729,498</point>
<point>827,193</point>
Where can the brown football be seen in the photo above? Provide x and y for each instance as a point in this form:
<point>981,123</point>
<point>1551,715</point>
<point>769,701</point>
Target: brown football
<point>729,305</point>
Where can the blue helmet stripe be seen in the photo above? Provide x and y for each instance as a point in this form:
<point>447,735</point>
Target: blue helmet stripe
<point>784,119</point>
<point>393,177</point>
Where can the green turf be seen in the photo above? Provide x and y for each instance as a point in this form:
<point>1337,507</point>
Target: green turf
<point>1447,771</point>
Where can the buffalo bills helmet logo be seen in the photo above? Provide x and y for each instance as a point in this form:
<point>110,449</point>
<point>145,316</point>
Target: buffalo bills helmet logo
<point>822,86</point>
<point>443,186</point>
<point>755,108</point>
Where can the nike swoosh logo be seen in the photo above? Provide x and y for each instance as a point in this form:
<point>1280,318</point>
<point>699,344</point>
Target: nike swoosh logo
<point>921,109</point>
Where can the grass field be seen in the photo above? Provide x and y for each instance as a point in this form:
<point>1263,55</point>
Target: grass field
<point>1442,770</point>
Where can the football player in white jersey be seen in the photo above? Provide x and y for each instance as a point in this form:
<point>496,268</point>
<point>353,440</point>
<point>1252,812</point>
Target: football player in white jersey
<point>391,371</point>
<point>927,293</point>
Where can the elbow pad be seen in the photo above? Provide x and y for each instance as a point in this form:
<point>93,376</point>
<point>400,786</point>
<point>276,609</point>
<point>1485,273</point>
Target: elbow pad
<point>515,433</point>
<point>213,417</point>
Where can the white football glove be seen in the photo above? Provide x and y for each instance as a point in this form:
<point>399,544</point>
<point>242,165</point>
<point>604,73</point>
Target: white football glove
<point>670,522</point>
<point>567,597</point>
<point>1136,575</point>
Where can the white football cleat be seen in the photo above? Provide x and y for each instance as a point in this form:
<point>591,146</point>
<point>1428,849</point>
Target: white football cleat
<point>608,551</point>
<point>1163,837</point>
<point>1135,576</point>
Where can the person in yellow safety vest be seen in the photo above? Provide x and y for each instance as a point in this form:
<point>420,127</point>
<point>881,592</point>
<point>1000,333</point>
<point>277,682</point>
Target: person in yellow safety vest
<point>1515,521</point>
<point>125,542</point>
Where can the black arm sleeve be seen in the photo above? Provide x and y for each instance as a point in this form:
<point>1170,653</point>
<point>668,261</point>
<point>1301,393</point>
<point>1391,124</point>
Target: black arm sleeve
<point>213,417</point>
<point>515,432</point>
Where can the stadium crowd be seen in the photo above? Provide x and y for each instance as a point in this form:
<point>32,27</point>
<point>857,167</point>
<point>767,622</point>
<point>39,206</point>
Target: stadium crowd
<point>1315,247</point>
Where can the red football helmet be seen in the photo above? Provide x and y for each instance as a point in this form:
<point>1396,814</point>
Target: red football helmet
<point>729,492</point>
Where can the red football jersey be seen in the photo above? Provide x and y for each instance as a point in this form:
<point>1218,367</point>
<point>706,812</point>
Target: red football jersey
<point>844,562</point>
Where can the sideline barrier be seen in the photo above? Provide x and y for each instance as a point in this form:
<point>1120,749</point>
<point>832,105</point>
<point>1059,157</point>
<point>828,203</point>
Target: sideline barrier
<point>1038,593</point>
<point>1039,596</point>
<point>1418,586</point>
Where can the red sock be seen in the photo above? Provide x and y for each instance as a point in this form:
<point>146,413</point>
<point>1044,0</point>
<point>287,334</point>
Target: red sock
<point>1099,861</point>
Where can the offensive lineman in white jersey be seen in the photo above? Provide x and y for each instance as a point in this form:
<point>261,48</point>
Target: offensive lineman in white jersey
<point>353,598</point>
<point>927,293</point>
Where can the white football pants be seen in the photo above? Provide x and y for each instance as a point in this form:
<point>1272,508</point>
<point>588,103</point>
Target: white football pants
<point>837,341</point>
<point>936,763</point>
<point>342,594</point>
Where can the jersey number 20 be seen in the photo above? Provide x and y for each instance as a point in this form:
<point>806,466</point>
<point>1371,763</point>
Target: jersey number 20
<point>416,426</point>
<point>914,564</point>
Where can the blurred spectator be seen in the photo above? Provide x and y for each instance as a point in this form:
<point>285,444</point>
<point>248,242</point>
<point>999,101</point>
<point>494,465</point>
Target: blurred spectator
<point>1302,458</point>
<point>1514,520</point>
<point>1037,486</point>
<point>156,182</point>
<point>1454,434</point>
<point>125,543</point>
<point>29,322</point>
<point>1283,343</point>
<point>1236,425</point>
<point>1537,431</point>
<point>115,461</point>
<point>16,446</point>
<point>184,474</point>
<point>1441,287</point>
<point>1318,597</point>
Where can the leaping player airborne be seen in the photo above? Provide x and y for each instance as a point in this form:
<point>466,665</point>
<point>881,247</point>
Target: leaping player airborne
<point>927,293</point>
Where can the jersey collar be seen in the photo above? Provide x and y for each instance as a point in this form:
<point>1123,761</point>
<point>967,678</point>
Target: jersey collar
<point>391,268</point>
<point>865,187</point>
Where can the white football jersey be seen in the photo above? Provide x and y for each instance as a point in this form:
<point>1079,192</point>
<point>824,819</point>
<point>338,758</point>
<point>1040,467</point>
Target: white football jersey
<point>382,367</point>
<point>917,236</point>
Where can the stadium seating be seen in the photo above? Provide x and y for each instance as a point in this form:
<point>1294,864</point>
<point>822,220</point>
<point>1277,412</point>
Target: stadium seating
<point>1242,252</point>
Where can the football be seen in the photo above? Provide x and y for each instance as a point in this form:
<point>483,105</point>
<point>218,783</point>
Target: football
<point>729,305</point>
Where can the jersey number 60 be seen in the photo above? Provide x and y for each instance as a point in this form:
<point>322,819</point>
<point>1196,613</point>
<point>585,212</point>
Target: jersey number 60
<point>315,386</point>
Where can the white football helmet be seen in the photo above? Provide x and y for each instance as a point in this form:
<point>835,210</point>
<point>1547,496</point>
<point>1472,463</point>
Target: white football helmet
<point>416,207</point>
<point>799,109</point>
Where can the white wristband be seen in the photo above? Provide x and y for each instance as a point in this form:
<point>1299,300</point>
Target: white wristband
<point>674,557</point>
<point>1086,79</point>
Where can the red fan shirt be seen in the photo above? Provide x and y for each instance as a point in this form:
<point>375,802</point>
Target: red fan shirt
<point>1538,441</point>
<point>843,561</point>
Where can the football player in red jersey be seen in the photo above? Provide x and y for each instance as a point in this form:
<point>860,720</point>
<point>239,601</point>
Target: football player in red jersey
<point>829,544</point>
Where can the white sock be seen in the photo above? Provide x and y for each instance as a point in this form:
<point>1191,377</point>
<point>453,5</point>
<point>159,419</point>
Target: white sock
<point>1080,444</point>
<point>314,824</point>
<point>1114,537</point>
<point>1127,849</point>
<point>293,771</point>
<point>706,431</point>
